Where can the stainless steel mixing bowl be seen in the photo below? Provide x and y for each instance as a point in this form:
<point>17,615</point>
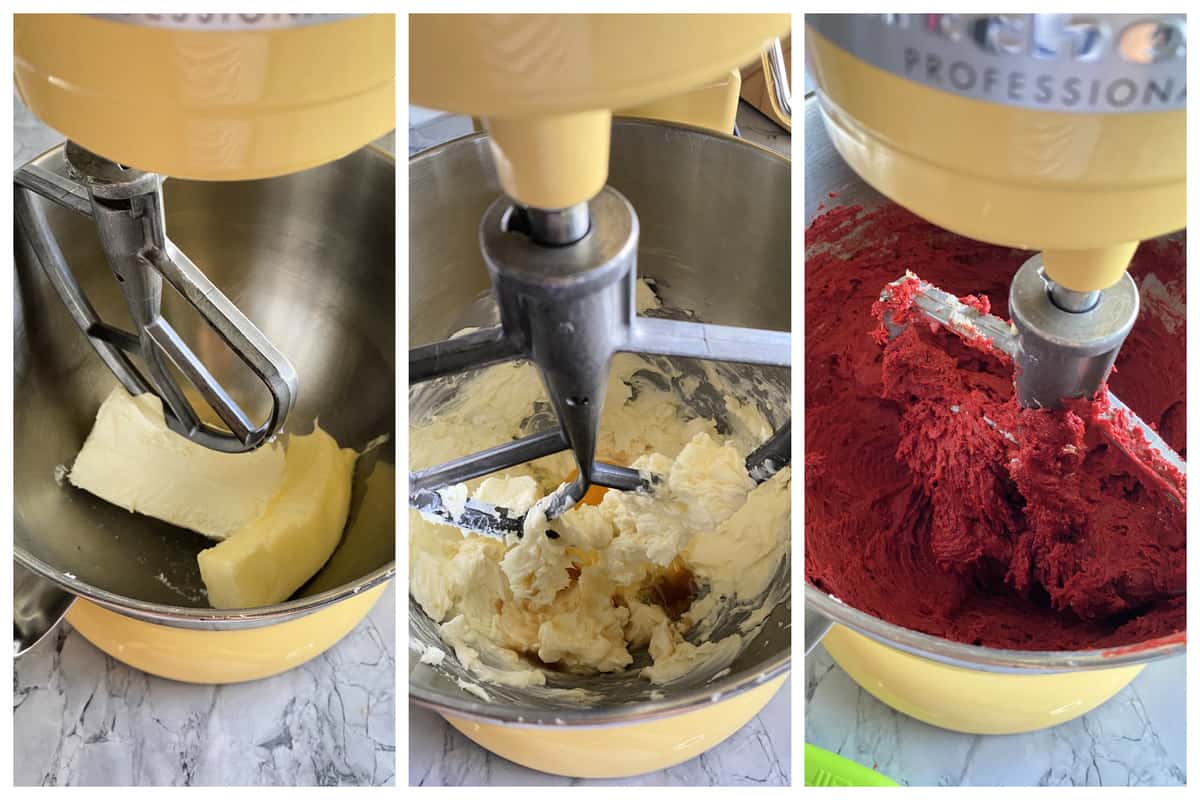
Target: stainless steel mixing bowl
<point>715,216</point>
<point>309,258</point>
<point>826,172</point>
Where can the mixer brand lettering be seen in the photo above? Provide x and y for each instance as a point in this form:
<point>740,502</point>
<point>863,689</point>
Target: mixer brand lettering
<point>1042,89</point>
<point>1100,63</point>
<point>223,22</point>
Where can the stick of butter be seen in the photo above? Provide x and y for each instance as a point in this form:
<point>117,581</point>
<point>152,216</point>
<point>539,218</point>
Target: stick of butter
<point>277,515</point>
<point>273,556</point>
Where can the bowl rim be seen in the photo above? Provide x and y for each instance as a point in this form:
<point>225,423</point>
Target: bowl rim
<point>461,704</point>
<point>204,618</point>
<point>191,616</point>
<point>601,716</point>
<point>990,659</point>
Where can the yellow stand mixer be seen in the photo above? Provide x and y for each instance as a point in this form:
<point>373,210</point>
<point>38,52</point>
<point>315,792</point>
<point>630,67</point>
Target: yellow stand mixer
<point>216,97</point>
<point>226,99</point>
<point>1059,133</point>
<point>560,248</point>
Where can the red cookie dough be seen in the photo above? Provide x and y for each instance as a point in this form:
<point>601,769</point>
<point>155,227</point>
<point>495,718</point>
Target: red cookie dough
<point>936,521</point>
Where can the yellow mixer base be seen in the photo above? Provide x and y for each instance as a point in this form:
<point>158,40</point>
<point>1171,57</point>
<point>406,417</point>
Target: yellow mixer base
<point>966,700</point>
<point>197,656</point>
<point>620,751</point>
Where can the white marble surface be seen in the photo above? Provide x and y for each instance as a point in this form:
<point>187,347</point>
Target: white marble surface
<point>757,755</point>
<point>82,718</point>
<point>1135,739</point>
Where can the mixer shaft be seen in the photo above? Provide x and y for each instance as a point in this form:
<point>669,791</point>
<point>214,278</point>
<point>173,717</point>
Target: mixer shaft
<point>1068,340</point>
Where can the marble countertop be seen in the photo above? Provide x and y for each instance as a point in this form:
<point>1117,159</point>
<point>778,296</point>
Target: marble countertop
<point>1135,739</point>
<point>757,755</point>
<point>82,718</point>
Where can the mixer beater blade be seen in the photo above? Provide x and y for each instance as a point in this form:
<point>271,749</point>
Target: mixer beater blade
<point>1059,352</point>
<point>565,283</point>
<point>127,207</point>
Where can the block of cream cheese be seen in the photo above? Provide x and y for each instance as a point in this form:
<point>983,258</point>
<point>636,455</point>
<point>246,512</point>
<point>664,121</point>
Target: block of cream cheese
<point>274,555</point>
<point>132,460</point>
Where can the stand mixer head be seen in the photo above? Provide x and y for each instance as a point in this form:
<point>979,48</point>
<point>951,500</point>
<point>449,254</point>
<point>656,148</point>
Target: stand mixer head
<point>561,247</point>
<point>225,101</point>
<point>1059,133</point>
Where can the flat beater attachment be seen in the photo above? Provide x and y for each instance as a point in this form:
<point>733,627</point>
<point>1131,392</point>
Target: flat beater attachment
<point>565,285</point>
<point>127,206</point>
<point>1058,353</point>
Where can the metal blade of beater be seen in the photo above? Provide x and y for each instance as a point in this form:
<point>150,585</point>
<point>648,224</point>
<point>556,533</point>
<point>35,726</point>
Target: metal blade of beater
<point>968,323</point>
<point>475,516</point>
<point>991,332</point>
<point>489,520</point>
